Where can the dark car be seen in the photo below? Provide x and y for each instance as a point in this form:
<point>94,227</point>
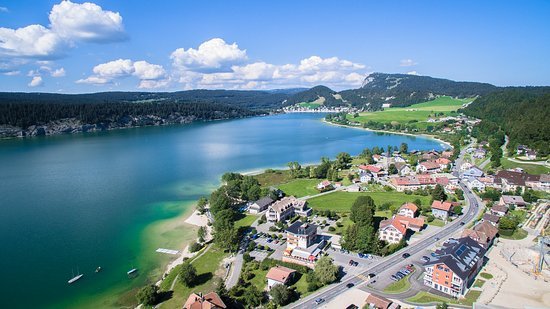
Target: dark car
<point>319,301</point>
<point>462,223</point>
<point>371,275</point>
<point>405,255</point>
<point>350,285</point>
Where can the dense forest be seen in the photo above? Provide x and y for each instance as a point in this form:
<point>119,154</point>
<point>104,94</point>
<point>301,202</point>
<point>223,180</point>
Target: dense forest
<point>521,112</point>
<point>315,93</point>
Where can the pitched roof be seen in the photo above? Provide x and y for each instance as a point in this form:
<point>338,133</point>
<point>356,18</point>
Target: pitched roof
<point>410,206</point>
<point>442,161</point>
<point>513,199</point>
<point>430,165</point>
<point>499,208</point>
<point>491,218</point>
<point>208,301</point>
<point>410,222</point>
<point>395,223</point>
<point>446,206</point>
<point>460,256</point>
<point>279,273</point>
<point>379,302</point>
<point>486,228</point>
<point>514,178</point>
<point>264,201</point>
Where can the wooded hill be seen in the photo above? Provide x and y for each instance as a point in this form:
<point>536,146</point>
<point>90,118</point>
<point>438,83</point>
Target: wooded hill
<point>523,113</point>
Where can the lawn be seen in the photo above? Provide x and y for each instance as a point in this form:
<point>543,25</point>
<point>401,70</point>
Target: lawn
<point>417,112</point>
<point>398,286</point>
<point>529,168</point>
<point>309,105</point>
<point>342,201</point>
<point>206,266</point>
<point>247,220</point>
<point>519,233</point>
<point>273,177</point>
<point>425,297</point>
<point>486,276</point>
<point>470,298</point>
<point>479,283</point>
<point>437,222</point>
<point>300,187</point>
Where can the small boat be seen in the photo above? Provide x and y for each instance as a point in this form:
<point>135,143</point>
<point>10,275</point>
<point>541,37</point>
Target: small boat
<point>75,278</point>
<point>132,271</point>
<point>98,269</point>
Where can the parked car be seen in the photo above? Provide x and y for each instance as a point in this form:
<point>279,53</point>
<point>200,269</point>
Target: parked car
<point>319,301</point>
<point>425,258</point>
<point>350,262</point>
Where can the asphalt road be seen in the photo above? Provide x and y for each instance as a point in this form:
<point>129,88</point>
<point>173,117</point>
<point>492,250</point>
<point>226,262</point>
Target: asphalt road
<point>334,290</point>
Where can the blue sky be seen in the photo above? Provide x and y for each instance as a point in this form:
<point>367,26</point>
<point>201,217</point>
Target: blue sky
<point>74,47</point>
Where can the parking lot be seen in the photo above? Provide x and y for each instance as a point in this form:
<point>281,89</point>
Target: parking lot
<point>259,255</point>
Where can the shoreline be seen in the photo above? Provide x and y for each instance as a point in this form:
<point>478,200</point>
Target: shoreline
<point>391,132</point>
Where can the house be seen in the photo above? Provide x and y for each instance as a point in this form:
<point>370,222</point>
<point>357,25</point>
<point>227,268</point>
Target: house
<point>455,266</point>
<point>511,180</point>
<point>492,219</point>
<point>300,235</point>
<point>538,182</point>
<point>499,210</point>
<point>484,233</point>
<point>405,183</point>
<point>474,172</point>
<point>414,224</point>
<point>512,200</point>
<point>325,185</point>
<point>408,210</point>
<point>447,154</point>
<point>375,301</point>
<point>353,188</point>
<point>279,275</point>
<point>391,231</point>
<point>441,209</point>
<point>260,205</point>
<point>428,167</point>
<point>531,154</point>
<point>365,176</point>
<point>403,169</point>
<point>474,183</point>
<point>374,170</point>
<point>443,163</point>
<point>286,208</point>
<point>480,153</point>
<point>399,159</point>
<point>466,166</point>
<point>208,301</point>
<point>303,247</point>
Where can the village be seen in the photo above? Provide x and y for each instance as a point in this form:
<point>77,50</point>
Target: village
<point>300,226</point>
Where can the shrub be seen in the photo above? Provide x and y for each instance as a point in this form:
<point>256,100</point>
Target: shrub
<point>331,229</point>
<point>194,247</point>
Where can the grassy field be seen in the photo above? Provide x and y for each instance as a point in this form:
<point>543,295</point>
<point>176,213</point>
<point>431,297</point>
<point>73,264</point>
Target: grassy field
<point>247,220</point>
<point>309,105</point>
<point>300,187</point>
<point>206,265</point>
<point>417,112</point>
<point>486,276</point>
<point>425,298</point>
<point>437,222</point>
<point>398,286</point>
<point>529,168</point>
<point>479,283</point>
<point>342,201</point>
<point>273,177</point>
<point>519,233</point>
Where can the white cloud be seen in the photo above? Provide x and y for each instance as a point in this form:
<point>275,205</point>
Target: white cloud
<point>4,9</point>
<point>11,73</point>
<point>34,41</point>
<point>407,63</point>
<point>36,81</point>
<point>86,22</point>
<point>412,73</point>
<point>58,72</point>
<point>70,23</point>
<point>214,55</point>
<point>148,71</point>
<point>150,75</point>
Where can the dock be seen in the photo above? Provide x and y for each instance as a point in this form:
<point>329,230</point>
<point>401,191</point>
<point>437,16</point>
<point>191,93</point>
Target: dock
<point>168,251</point>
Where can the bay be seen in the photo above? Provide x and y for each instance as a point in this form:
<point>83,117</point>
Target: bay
<point>73,203</point>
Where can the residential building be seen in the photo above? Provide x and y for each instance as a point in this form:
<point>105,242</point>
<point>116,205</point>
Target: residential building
<point>260,205</point>
<point>325,185</point>
<point>414,224</point>
<point>443,163</point>
<point>403,169</point>
<point>301,235</point>
<point>483,232</point>
<point>499,210</point>
<point>512,201</point>
<point>405,183</point>
<point>208,301</point>
<point>365,176</point>
<point>408,210</point>
<point>279,275</point>
<point>441,209</point>
<point>466,166</point>
<point>455,266</point>
<point>303,247</point>
<point>286,208</point>
<point>375,301</point>
<point>428,167</point>
<point>511,180</point>
<point>474,172</point>
<point>490,218</point>
<point>474,183</point>
<point>391,231</point>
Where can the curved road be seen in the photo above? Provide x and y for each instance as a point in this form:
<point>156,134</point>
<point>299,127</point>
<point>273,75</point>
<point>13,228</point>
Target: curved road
<point>334,290</point>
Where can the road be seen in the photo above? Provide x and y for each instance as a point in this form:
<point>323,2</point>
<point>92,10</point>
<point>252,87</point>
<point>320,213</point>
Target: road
<point>334,290</point>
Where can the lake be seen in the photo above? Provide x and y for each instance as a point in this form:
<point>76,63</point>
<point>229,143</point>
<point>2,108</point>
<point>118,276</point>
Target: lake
<point>75,202</point>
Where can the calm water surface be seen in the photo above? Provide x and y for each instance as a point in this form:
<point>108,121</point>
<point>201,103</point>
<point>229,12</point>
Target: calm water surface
<point>80,201</point>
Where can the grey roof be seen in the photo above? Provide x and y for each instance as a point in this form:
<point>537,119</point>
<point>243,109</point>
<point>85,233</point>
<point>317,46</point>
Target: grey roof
<point>264,202</point>
<point>299,228</point>
<point>491,218</point>
<point>513,199</point>
<point>460,256</point>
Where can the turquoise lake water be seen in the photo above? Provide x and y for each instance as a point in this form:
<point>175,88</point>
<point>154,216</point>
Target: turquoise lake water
<point>80,201</point>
